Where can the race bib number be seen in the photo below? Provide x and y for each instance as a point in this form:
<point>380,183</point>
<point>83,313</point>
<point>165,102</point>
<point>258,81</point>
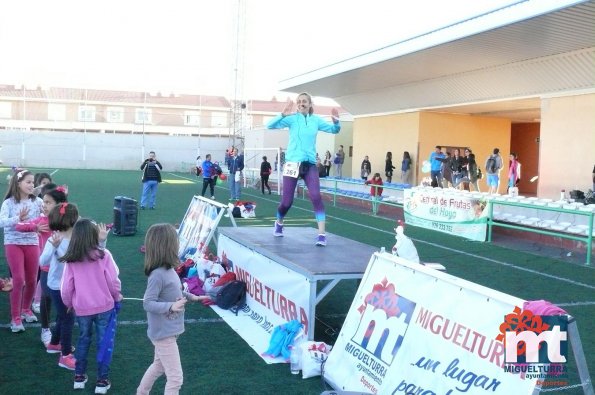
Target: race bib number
<point>291,169</point>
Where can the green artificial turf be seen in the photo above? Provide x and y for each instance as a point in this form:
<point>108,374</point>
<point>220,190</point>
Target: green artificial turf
<point>214,358</point>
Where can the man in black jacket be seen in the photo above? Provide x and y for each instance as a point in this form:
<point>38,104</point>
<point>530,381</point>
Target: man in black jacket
<point>151,178</point>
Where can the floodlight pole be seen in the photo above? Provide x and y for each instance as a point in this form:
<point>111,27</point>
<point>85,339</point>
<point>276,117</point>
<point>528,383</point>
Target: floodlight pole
<point>144,117</point>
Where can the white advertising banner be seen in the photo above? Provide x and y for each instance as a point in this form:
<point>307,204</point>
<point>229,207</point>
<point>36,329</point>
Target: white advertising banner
<point>198,225</point>
<point>452,213</point>
<point>275,295</point>
<point>415,330</point>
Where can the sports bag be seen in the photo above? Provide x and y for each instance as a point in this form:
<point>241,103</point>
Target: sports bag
<point>491,165</point>
<point>232,296</point>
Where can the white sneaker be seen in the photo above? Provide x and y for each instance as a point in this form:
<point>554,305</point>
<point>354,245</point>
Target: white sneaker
<point>79,381</point>
<point>28,316</point>
<point>102,386</point>
<point>46,336</point>
<point>15,328</point>
<point>35,307</point>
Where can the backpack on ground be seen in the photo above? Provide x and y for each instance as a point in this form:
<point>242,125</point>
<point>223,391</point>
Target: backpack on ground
<point>232,296</point>
<point>491,167</point>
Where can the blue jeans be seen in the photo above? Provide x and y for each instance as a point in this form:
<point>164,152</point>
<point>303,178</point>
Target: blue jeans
<point>234,186</point>
<point>62,333</point>
<point>436,178</point>
<point>149,194</point>
<point>86,323</point>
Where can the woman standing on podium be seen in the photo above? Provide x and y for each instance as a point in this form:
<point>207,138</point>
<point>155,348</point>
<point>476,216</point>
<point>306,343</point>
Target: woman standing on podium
<point>300,158</point>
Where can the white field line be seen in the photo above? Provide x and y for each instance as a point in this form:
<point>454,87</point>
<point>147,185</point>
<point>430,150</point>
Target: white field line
<point>479,257</point>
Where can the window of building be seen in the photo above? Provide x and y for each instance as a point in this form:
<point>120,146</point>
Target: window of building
<point>5,109</point>
<point>192,118</point>
<point>56,112</point>
<point>219,119</point>
<point>266,119</point>
<point>142,116</point>
<point>115,114</point>
<point>87,113</point>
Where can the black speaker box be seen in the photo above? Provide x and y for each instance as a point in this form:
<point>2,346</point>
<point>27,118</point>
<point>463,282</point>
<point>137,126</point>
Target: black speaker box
<point>125,216</point>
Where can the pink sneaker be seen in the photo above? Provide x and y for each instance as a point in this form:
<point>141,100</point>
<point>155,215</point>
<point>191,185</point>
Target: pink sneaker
<point>53,348</point>
<point>67,361</point>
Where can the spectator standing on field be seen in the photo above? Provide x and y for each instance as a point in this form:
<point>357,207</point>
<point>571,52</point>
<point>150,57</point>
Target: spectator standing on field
<point>151,178</point>
<point>327,163</point>
<point>164,301</point>
<point>514,170</point>
<point>447,165</point>
<point>366,168</point>
<point>388,166</point>
<point>406,168</point>
<point>435,166</point>
<point>493,166</point>
<point>265,172</point>
<point>339,160</point>
<point>21,248</point>
<point>235,165</point>
<point>209,176</point>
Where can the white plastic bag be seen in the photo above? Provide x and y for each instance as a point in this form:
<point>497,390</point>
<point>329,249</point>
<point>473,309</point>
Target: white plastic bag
<point>237,176</point>
<point>404,247</point>
<point>312,356</point>
<point>248,212</point>
<point>217,270</point>
<point>203,267</point>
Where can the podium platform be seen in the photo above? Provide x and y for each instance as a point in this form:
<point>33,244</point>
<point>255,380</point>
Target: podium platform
<point>297,253</point>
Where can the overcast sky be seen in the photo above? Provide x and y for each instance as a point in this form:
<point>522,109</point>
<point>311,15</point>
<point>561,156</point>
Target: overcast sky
<point>189,46</point>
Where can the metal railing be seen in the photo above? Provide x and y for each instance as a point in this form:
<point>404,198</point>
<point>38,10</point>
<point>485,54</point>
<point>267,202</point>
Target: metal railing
<point>588,239</point>
<point>375,204</point>
<point>336,192</point>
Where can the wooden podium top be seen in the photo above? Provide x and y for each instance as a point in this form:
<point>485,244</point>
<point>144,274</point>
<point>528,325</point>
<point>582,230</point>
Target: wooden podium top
<point>342,258</point>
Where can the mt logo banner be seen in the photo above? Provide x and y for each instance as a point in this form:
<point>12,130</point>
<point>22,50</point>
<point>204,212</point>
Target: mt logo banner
<point>414,330</point>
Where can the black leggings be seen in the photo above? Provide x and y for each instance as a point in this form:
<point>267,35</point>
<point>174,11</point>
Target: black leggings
<point>264,181</point>
<point>210,182</point>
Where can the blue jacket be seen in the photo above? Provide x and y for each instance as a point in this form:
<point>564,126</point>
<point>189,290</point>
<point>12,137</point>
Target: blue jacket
<point>235,164</point>
<point>302,134</point>
<point>435,163</point>
<point>208,169</point>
